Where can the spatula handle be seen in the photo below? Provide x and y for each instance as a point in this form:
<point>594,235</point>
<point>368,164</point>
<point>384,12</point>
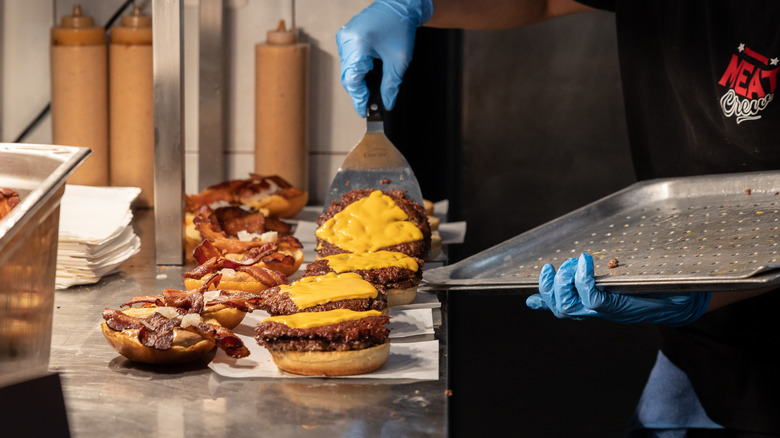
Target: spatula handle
<point>373,82</point>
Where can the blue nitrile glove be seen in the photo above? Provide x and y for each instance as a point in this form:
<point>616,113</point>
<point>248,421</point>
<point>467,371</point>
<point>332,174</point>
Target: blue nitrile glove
<point>572,293</point>
<point>385,30</point>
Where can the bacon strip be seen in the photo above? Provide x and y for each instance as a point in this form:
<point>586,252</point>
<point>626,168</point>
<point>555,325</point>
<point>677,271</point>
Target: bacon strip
<point>209,257</point>
<point>205,251</point>
<point>221,226</point>
<point>243,301</point>
<point>145,299</point>
<point>223,337</point>
<point>266,276</point>
<point>160,336</point>
<point>9,199</point>
<point>192,301</point>
<point>119,321</point>
<point>233,191</point>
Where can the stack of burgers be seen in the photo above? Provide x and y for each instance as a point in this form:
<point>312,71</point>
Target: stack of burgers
<point>332,321</point>
<point>370,249</point>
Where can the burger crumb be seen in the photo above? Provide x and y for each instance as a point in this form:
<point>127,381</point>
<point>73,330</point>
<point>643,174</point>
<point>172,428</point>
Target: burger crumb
<point>748,192</point>
<point>448,393</point>
<point>613,263</point>
<point>384,181</point>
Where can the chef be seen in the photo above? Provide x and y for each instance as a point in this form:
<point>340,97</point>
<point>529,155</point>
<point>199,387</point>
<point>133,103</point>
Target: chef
<point>699,81</point>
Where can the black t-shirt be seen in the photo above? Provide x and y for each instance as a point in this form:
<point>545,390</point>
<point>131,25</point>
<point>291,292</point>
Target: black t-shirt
<point>700,80</point>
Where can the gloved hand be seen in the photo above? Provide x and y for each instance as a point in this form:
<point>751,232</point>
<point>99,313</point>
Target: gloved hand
<point>385,30</point>
<point>571,293</point>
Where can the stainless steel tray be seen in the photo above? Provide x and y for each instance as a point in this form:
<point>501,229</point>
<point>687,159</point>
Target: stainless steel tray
<point>28,254</point>
<point>715,232</point>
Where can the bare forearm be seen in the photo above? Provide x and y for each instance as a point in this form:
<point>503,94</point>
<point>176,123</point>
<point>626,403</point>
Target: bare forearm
<point>498,14</point>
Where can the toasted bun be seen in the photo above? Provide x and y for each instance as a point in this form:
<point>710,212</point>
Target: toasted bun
<point>434,222</point>
<point>435,250</point>
<point>192,237</point>
<point>428,204</point>
<point>187,346</point>
<point>282,207</point>
<point>332,363</point>
<point>252,286</point>
<point>399,297</point>
<point>226,316</point>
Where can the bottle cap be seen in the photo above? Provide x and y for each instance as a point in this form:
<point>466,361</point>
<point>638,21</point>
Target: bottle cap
<point>77,20</point>
<point>137,19</point>
<point>281,35</point>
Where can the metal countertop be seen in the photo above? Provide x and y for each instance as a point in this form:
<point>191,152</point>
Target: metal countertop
<point>107,395</point>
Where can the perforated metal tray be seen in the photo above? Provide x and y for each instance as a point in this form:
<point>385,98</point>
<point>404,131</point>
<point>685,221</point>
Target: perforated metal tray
<point>717,232</point>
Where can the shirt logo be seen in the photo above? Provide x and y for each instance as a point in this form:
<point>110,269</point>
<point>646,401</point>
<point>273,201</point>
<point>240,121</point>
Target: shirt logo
<point>751,80</point>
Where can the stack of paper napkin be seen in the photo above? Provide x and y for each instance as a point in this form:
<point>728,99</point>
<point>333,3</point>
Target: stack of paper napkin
<point>96,234</point>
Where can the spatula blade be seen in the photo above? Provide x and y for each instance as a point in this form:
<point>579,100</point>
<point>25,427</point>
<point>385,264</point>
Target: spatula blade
<point>374,163</point>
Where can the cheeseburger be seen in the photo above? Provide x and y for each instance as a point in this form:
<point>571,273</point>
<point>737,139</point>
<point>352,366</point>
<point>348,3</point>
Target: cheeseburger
<point>392,273</point>
<point>332,343</point>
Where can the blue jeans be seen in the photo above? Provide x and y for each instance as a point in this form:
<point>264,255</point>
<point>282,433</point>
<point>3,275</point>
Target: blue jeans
<point>668,406</point>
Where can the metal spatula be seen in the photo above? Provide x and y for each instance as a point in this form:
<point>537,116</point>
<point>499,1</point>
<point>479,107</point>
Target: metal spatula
<point>374,163</point>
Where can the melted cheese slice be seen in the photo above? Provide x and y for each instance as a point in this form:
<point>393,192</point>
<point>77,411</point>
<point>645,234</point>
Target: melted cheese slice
<point>311,291</point>
<point>369,224</point>
<point>302,320</point>
<point>370,260</point>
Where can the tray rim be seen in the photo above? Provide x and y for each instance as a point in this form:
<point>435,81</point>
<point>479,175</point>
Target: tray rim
<point>70,157</point>
<point>441,277</point>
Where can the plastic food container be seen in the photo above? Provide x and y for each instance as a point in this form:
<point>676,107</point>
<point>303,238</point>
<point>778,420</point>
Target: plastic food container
<point>28,254</point>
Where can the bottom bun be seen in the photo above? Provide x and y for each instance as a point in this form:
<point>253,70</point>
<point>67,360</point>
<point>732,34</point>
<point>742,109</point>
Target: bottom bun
<point>399,297</point>
<point>127,344</point>
<point>332,363</point>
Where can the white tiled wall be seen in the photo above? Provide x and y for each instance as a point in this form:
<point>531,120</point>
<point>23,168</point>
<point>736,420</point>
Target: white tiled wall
<point>334,126</point>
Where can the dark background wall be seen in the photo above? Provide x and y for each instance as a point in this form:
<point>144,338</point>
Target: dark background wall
<point>515,128</point>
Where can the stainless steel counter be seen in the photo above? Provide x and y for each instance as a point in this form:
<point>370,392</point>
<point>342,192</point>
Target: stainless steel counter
<point>107,395</point>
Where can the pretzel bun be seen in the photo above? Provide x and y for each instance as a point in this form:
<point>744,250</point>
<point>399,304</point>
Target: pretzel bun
<point>187,346</point>
<point>332,363</point>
